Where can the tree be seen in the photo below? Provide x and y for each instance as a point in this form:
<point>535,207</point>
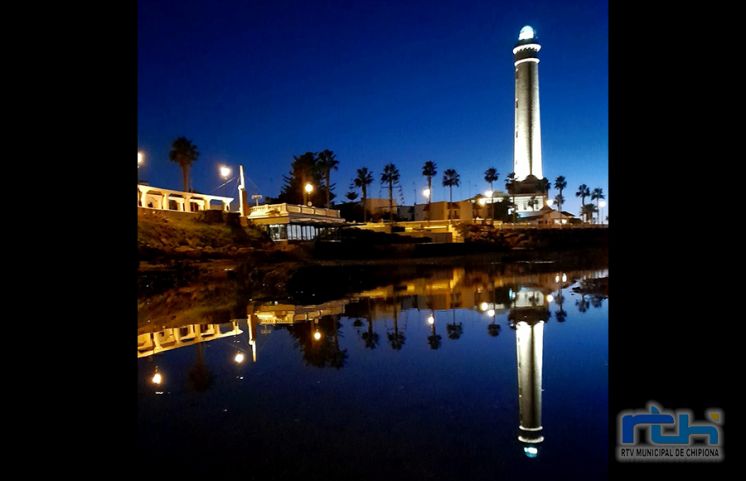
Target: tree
<point>560,184</point>
<point>304,169</point>
<point>559,199</point>
<point>429,170</point>
<point>184,153</point>
<point>490,176</point>
<point>390,176</point>
<point>587,211</point>
<point>351,196</point>
<point>450,179</point>
<point>545,185</point>
<point>510,187</point>
<point>327,162</point>
<point>597,195</point>
<point>583,192</point>
<point>362,180</point>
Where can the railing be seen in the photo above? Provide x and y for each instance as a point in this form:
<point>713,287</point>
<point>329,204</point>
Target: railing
<point>271,210</point>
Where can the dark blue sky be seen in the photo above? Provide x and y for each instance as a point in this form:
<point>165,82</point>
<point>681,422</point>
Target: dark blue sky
<point>255,83</point>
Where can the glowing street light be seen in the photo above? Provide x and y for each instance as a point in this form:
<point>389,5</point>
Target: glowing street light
<point>140,158</point>
<point>225,171</point>
<point>426,192</point>
<point>430,320</point>
<point>317,335</point>
<point>307,189</point>
<point>484,306</point>
<point>239,358</point>
<point>157,378</point>
<point>601,205</point>
<point>491,312</point>
<point>488,193</point>
<point>550,298</point>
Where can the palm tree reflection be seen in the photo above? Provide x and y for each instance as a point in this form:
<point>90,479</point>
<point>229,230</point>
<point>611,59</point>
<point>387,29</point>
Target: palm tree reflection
<point>200,377</point>
<point>396,338</point>
<point>455,330</point>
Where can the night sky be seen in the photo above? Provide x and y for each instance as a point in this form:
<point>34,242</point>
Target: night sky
<point>255,83</point>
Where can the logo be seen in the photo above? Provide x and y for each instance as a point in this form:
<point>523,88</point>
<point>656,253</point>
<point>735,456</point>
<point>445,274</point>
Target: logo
<point>669,435</point>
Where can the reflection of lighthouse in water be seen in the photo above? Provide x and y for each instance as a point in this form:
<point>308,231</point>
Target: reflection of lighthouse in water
<point>527,315</point>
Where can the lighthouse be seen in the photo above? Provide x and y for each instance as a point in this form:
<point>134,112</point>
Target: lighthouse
<point>527,149</point>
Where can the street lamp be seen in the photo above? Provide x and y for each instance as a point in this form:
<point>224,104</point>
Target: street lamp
<point>239,358</point>
<point>307,189</point>
<point>490,194</point>
<point>140,161</point>
<point>225,172</point>
<point>428,194</point>
<point>601,205</point>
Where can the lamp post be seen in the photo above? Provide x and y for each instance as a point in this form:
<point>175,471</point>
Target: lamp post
<point>601,205</point>
<point>490,194</point>
<point>140,161</point>
<point>428,194</point>
<point>307,189</point>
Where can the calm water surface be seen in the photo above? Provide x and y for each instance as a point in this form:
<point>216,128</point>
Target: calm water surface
<point>459,373</point>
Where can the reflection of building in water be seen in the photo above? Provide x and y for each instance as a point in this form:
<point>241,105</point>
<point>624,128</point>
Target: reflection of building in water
<point>288,314</point>
<point>528,315</point>
<point>292,314</point>
<point>150,343</point>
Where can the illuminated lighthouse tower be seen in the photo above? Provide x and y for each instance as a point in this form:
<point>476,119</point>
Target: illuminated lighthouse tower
<point>527,152</point>
<point>527,147</point>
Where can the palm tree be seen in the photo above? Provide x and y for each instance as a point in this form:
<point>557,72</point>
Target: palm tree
<point>545,185</point>
<point>587,211</point>
<point>559,199</point>
<point>490,176</point>
<point>327,162</point>
<point>560,183</point>
<point>509,186</point>
<point>450,178</point>
<point>583,192</point>
<point>597,195</point>
<point>363,179</point>
<point>429,170</point>
<point>351,196</point>
<point>184,153</point>
<point>390,176</point>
